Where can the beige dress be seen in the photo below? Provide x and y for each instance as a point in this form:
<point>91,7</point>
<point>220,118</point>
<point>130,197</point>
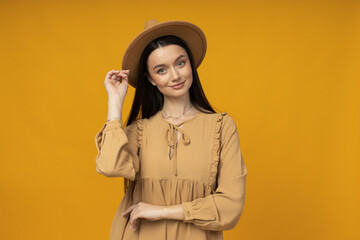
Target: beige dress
<point>204,172</point>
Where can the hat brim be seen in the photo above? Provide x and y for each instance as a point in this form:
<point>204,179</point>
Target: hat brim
<point>190,33</point>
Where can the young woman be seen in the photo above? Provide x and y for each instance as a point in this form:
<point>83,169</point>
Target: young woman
<point>181,161</point>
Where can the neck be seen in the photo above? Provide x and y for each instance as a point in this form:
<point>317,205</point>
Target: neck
<point>177,106</point>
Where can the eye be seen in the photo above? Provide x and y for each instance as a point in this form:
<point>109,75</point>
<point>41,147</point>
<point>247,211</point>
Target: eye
<point>160,70</point>
<point>181,63</point>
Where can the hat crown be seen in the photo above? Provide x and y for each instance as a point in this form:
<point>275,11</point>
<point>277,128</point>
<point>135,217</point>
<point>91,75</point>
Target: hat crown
<point>150,23</point>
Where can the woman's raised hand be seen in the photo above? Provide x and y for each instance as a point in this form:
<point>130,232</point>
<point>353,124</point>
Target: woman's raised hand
<point>116,83</point>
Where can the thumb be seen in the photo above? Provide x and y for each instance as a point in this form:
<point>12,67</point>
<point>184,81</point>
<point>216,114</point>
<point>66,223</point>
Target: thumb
<point>126,78</point>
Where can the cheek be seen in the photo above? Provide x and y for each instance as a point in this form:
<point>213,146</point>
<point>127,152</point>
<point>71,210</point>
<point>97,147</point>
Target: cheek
<point>189,72</point>
<point>160,81</point>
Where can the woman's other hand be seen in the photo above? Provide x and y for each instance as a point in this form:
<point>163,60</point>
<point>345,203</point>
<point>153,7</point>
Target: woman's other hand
<point>144,210</point>
<point>116,83</point>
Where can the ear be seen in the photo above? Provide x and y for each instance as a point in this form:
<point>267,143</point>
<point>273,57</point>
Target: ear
<point>150,79</point>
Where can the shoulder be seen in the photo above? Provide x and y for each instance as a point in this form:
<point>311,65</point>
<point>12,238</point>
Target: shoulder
<point>142,126</point>
<point>222,117</point>
<point>228,120</point>
<point>135,131</point>
<point>142,121</point>
<point>222,123</point>
<point>136,125</point>
<point>151,122</point>
<point>226,124</point>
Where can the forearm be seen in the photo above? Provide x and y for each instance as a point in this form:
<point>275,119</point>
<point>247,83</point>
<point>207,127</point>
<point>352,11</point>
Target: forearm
<point>173,212</point>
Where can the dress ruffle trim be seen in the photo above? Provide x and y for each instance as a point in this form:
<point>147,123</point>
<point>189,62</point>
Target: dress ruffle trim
<point>216,153</point>
<point>140,128</point>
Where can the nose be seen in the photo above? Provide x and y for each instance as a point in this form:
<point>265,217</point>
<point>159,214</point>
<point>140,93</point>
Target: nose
<point>174,74</point>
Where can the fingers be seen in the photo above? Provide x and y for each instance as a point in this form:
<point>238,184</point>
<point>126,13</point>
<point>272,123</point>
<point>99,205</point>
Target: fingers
<point>133,223</point>
<point>133,216</point>
<point>129,209</point>
<point>118,75</point>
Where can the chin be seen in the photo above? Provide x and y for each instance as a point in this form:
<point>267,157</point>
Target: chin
<point>184,90</point>
<point>176,95</point>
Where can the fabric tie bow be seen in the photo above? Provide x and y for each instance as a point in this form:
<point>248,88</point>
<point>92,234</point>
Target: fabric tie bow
<point>172,139</point>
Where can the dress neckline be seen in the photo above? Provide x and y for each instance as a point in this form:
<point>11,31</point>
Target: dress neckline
<point>186,121</point>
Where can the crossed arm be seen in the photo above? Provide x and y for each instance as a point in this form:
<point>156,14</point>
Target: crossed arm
<point>153,212</point>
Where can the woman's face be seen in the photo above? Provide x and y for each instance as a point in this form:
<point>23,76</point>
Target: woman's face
<point>170,70</point>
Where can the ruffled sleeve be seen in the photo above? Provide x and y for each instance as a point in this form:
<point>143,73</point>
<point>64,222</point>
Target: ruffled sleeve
<point>118,149</point>
<point>222,209</point>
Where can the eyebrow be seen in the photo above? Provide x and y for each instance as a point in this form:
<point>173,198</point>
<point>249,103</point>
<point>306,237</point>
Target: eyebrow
<point>161,65</point>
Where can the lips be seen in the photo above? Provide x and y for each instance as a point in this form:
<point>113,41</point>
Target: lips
<point>177,85</point>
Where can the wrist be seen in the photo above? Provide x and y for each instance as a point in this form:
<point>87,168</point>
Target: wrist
<point>114,110</point>
<point>113,118</point>
<point>164,212</point>
<point>115,99</point>
<point>172,212</point>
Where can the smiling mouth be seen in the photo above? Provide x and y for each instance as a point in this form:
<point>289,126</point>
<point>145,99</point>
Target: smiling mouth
<point>177,84</point>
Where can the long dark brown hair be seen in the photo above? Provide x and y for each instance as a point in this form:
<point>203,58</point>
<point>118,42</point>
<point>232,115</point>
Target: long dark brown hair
<point>148,100</point>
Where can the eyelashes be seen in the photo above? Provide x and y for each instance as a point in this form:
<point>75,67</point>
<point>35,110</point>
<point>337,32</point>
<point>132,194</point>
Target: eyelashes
<point>181,63</point>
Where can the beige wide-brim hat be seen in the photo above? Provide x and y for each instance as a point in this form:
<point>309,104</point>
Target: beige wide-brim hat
<point>190,33</point>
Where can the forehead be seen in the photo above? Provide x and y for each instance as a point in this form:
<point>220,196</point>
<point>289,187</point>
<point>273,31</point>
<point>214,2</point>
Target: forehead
<point>166,54</point>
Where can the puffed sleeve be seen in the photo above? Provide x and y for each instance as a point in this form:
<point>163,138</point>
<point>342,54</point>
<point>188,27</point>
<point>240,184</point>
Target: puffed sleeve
<point>222,209</point>
<point>117,150</point>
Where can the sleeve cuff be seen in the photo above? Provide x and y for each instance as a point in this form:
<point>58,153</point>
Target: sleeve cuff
<point>199,209</point>
<point>187,212</point>
<point>116,123</point>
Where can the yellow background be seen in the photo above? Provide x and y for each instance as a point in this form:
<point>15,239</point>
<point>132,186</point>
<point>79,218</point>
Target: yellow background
<point>286,71</point>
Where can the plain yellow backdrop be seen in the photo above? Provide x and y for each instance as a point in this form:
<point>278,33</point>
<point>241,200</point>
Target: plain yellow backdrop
<point>286,71</point>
